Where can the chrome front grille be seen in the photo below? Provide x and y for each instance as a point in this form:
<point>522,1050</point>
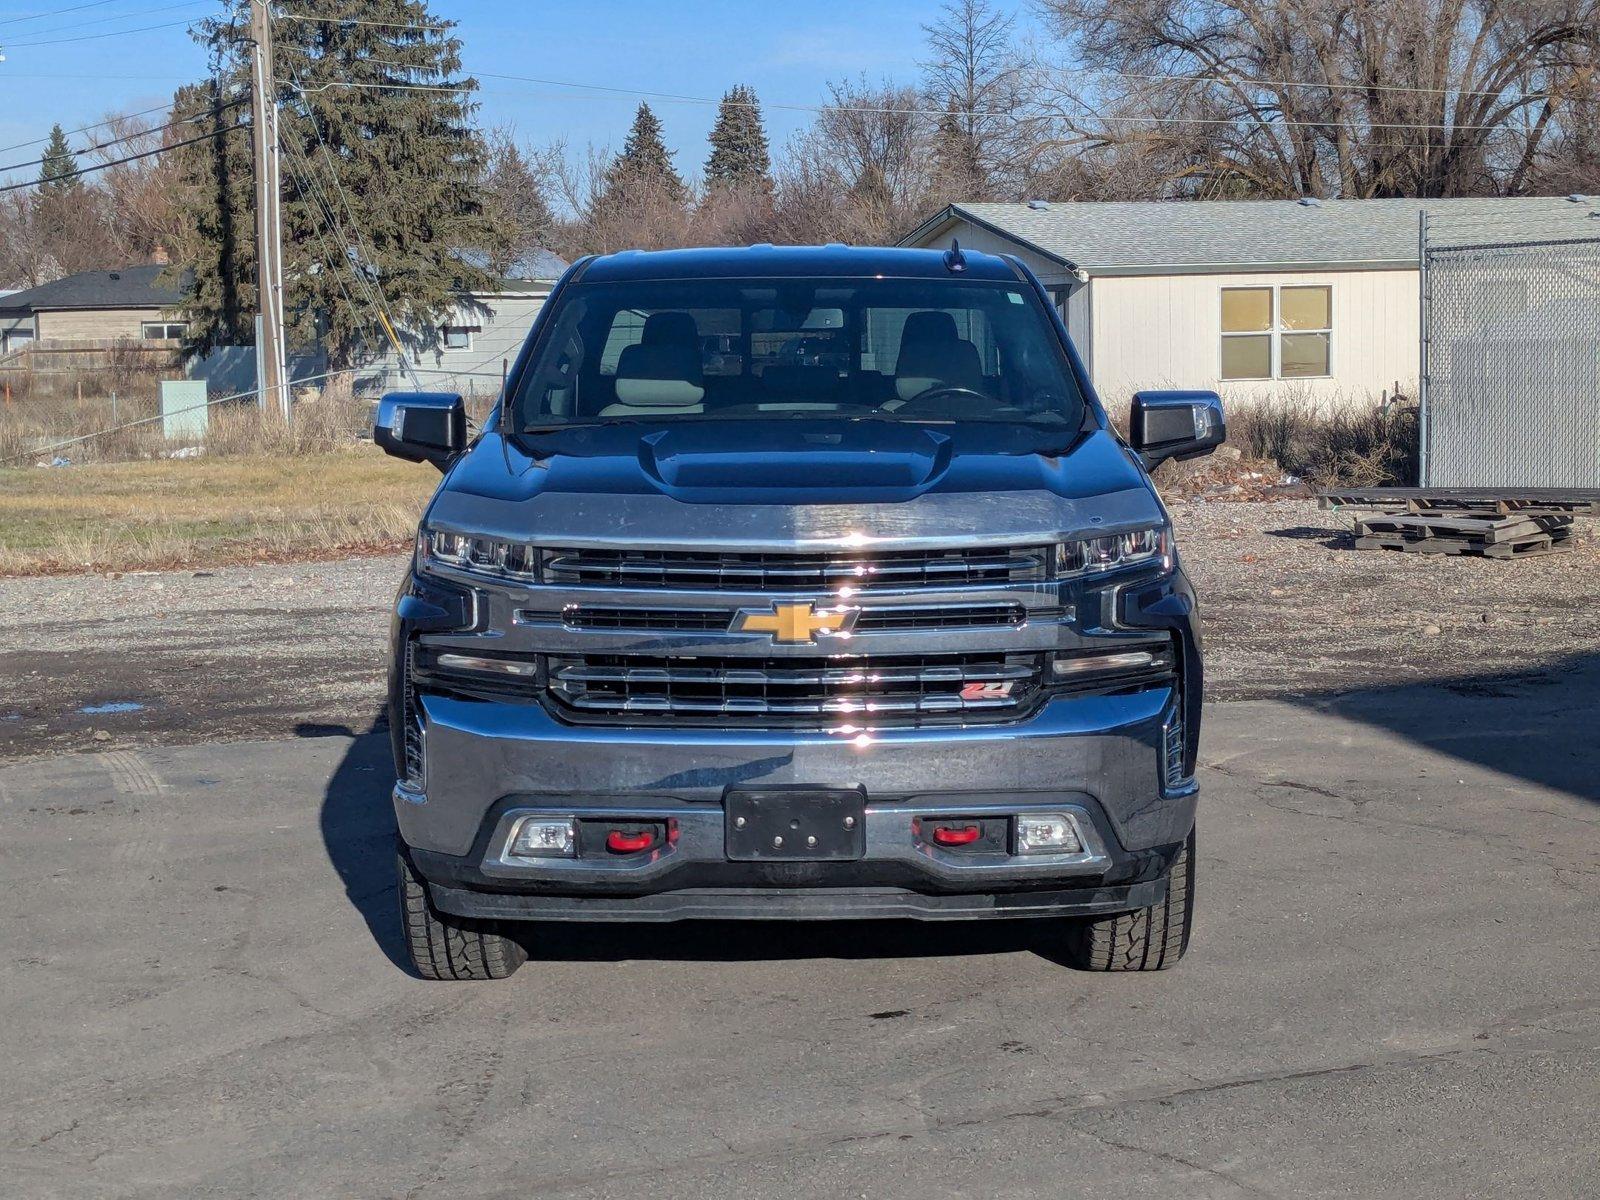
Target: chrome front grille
<point>887,618</point>
<point>797,572</point>
<point>729,690</point>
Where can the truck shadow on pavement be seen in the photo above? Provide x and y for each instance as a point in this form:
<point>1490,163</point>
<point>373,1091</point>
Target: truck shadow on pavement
<point>358,831</point>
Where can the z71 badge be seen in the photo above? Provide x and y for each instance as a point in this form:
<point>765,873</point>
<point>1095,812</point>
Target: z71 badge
<point>998,690</point>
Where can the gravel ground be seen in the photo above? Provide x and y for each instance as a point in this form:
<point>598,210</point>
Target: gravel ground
<point>1292,608</point>
<point>266,651</point>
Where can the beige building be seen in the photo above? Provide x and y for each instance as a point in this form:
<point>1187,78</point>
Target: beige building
<point>88,315</point>
<point>1315,299</point>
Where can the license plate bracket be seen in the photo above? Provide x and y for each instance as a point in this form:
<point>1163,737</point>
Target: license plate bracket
<point>799,824</point>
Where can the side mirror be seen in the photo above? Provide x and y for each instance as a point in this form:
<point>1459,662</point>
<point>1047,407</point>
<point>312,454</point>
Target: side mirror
<point>422,426</point>
<point>1176,425</point>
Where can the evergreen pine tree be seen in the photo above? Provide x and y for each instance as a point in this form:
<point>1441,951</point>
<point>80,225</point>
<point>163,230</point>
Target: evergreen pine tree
<point>214,254</point>
<point>644,167</point>
<point>56,178</point>
<point>515,203</point>
<point>380,184</point>
<point>739,159</point>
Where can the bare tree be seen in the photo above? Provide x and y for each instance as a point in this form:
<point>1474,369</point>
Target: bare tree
<point>863,171</point>
<point>973,72</point>
<point>1321,97</point>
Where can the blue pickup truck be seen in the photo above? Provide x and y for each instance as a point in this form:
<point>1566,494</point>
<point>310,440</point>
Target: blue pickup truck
<point>866,611</point>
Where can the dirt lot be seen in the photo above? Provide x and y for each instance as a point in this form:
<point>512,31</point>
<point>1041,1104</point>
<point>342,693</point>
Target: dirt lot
<point>276,650</point>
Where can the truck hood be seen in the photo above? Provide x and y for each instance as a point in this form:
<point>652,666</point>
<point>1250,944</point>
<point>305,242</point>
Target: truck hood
<point>789,482</point>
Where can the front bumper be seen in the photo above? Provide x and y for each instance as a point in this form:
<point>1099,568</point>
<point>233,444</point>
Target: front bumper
<point>1099,758</point>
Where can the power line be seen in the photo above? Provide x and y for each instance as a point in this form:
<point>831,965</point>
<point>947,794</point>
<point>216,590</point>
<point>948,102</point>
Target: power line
<point>308,185</point>
<point>307,176</point>
<point>99,433</point>
<point>1235,81</point>
<point>117,162</point>
<point>144,112</point>
<point>91,37</point>
<point>127,137</point>
<point>117,17</point>
<point>678,98</point>
<point>55,13</point>
<point>333,176</point>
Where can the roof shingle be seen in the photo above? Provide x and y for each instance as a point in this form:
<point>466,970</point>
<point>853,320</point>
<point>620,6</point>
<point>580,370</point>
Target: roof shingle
<point>1185,235</point>
<point>126,287</point>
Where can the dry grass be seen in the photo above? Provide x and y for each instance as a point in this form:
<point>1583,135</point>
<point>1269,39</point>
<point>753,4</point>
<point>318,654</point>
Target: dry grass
<point>207,511</point>
<point>1330,444</point>
<point>41,411</point>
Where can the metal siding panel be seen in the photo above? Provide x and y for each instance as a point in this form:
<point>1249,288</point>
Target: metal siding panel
<point>1161,331</point>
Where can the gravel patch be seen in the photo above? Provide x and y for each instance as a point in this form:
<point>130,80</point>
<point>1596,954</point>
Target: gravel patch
<point>274,650</point>
<point>1290,607</point>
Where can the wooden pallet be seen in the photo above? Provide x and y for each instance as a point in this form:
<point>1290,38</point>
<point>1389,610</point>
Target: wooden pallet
<point>1528,548</point>
<point>1516,535</point>
<point>1501,502</point>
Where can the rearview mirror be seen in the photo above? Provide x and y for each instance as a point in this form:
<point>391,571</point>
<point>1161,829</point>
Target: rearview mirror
<point>422,426</point>
<point>1176,425</point>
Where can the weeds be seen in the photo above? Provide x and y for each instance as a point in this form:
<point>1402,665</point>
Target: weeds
<point>104,408</point>
<point>1330,444</point>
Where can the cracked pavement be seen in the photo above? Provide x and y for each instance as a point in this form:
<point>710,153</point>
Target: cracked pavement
<point>1393,990</point>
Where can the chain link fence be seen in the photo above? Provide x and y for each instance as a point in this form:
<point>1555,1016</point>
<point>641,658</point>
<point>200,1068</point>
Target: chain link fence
<point>1511,353</point>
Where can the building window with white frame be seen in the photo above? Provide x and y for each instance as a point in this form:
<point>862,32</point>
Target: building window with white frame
<point>457,337</point>
<point>1277,332</point>
<point>163,331</point>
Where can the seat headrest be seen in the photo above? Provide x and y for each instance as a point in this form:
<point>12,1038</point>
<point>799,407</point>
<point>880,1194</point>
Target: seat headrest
<point>666,375</point>
<point>929,326</point>
<point>932,364</point>
<point>664,327</point>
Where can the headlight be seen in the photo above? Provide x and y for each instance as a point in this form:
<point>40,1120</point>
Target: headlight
<point>494,557</point>
<point>1087,555</point>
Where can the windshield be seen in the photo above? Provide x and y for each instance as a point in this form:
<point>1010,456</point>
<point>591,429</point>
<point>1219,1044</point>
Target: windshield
<point>883,349</point>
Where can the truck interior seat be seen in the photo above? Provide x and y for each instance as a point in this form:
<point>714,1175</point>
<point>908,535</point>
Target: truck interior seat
<point>662,373</point>
<point>933,354</point>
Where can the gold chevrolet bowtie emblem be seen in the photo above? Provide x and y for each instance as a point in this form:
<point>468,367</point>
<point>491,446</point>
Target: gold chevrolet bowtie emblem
<point>795,622</point>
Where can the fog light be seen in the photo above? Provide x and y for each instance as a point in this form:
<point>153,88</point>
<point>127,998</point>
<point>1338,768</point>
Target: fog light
<point>539,838</point>
<point>1047,833</point>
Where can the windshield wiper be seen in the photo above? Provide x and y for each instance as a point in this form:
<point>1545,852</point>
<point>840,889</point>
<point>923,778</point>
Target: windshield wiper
<point>557,427</point>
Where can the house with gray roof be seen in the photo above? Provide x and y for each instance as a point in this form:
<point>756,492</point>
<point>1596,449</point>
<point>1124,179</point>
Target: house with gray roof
<point>1252,297</point>
<point>95,311</point>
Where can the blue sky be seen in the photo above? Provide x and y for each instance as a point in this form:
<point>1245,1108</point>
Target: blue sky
<point>788,52</point>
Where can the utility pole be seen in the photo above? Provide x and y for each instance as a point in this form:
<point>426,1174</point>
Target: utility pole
<point>272,384</point>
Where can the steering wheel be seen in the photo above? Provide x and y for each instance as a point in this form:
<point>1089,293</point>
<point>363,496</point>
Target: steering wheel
<point>943,392</point>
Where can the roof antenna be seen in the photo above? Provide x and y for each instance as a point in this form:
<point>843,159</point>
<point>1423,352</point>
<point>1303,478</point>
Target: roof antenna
<point>954,260</point>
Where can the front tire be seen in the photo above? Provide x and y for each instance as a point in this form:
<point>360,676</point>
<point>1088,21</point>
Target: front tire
<point>1147,939</point>
<point>443,946</point>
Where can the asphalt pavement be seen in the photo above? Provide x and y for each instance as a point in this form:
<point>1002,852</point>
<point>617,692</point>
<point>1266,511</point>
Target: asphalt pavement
<point>1393,990</point>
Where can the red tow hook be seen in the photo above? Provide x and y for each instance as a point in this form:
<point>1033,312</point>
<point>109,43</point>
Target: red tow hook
<point>627,843</point>
<point>956,835</point>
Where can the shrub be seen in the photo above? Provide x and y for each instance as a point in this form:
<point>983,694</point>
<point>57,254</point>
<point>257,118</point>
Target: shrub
<point>1330,444</point>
